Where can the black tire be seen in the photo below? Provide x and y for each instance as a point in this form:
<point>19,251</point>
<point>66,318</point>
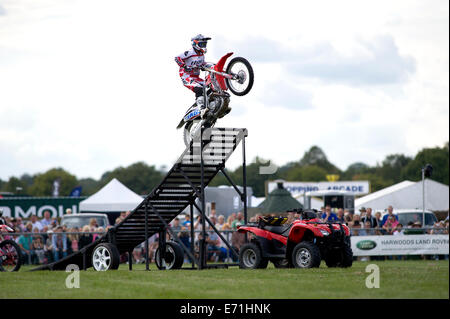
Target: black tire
<point>281,263</point>
<point>340,258</point>
<point>250,257</point>
<point>347,256</point>
<point>174,257</point>
<point>306,255</point>
<point>105,256</point>
<point>248,73</point>
<point>14,256</point>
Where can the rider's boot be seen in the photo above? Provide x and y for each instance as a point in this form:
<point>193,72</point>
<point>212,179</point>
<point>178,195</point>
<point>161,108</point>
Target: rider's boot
<point>201,105</point>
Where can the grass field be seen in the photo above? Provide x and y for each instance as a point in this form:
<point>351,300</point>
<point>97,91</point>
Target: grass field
<point>398,279</point>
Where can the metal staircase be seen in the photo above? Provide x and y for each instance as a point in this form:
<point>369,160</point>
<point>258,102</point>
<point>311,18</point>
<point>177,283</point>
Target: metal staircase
<point>183,184</point>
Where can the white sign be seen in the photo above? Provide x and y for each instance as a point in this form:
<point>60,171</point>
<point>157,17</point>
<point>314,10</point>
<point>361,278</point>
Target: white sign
<point>399,245</point>
<point>298,188</point>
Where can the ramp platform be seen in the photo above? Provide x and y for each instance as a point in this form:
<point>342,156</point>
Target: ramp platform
<point>180,188</point>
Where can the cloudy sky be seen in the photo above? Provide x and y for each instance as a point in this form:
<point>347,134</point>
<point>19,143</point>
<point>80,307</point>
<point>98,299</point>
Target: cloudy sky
<point>92,85</point>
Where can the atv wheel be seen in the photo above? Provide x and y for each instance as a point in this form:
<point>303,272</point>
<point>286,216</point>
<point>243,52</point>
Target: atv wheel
<point>173,259</point>
<point>250,257</point>
<point>281,263</point>
<point>105,257</point>
<point>347,256</point>
<point>340,258</point>
<point>306,255</point>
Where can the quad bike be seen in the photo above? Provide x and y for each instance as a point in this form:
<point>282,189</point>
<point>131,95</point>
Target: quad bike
<point>10,256</point>
<point>238,77</point>
<point>302,244</point>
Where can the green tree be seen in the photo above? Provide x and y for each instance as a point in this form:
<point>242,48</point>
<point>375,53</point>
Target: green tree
<point>376,181</point>
<point>392,166</point>
<point>139,177</point>
<point>88,186</point>
<point>315,156</point>
<point>356,169</point>
<point>43,183</point>
<point>438,157</point>
<point>16,186</point>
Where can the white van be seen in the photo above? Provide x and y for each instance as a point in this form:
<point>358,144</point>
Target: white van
<point>425,218</point>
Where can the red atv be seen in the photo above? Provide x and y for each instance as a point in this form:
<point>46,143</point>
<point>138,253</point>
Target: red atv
<point>302,244</point>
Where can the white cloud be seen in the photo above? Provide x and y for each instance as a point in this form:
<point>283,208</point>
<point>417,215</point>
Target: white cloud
<point>91,85</point>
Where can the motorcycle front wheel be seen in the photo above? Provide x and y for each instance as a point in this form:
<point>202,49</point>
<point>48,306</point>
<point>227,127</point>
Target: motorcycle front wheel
<point>10,255</point>
<point>244,72</point>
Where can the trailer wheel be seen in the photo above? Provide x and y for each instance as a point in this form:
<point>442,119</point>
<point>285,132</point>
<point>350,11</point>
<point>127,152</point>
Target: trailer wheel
<point>174,257</point>
<point>105,257</point>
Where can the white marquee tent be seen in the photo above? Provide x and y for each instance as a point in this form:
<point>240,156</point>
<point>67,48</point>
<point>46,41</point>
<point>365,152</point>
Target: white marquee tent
<point>408,195</point>
<point>113,197</point>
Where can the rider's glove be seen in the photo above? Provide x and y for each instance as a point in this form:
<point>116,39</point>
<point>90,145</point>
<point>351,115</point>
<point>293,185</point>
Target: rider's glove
<point>188,69</point>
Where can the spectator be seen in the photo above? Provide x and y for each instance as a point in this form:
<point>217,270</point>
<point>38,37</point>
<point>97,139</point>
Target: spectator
<point>25,243</point>
<point>368,229</point>
<point>36,223</point>
<point>118,220</point>
<point>54,223</point>
<point>215,253</point>
<point>187,220</point>
<point>355,229</point>
<point>38,251</point>
<point>20,225</point>
<point>362,211</point>
<point>348,218</point>
<point>369,218</point>
<point>74,239</point>
<point>68,211</point>
<point>86,238</point>
<point>100,231</point>
<point>340,215</point>
<point>59,244</point>
<point>329,216</point>
<point>230,220</point>
<point>46,221</point>
<point>93,224</point>
<point>48,248</point>
<point>398,230</point>
<point>390,224</point>
<point>220,222</point>
<point>378,218</point>
<point>390,213</point>
<point>239,221</point>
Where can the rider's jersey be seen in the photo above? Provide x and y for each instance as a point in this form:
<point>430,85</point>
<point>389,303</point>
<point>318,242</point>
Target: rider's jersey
<point>191,59</point>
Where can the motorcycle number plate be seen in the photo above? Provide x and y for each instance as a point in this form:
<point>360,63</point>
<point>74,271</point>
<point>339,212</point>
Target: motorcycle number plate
<point>192,115</point>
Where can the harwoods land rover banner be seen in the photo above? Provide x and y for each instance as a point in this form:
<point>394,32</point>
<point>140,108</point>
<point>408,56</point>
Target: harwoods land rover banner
<point>400,245</point>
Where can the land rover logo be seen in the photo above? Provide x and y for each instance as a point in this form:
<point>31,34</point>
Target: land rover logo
<point>366,244</point>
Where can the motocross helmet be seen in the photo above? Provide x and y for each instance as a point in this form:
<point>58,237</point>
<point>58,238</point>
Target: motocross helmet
<point>199,43</point>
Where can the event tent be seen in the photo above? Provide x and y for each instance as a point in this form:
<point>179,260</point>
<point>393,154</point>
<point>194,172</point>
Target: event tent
<point>408,195</point>
<point>113,197</point>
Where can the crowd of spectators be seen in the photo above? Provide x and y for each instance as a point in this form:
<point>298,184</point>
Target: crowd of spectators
<point>366,223</point>
<point>44,240</point>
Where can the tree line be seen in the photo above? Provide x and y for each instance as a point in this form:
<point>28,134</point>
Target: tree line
<point>313,166</point>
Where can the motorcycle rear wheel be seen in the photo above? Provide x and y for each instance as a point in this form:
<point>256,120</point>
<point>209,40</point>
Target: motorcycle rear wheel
<point>243,68</point>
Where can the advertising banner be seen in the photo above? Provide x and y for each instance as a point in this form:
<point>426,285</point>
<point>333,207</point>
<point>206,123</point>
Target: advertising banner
<point>400,245</point>
<point>298,188</point>
<point>26,206</point>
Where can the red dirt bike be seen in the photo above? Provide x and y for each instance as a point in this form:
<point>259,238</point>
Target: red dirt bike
<point>302,244</point>
<point>238,78</point>
<point>10,256</point>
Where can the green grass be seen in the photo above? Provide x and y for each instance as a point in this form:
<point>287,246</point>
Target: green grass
<point>398,279</point>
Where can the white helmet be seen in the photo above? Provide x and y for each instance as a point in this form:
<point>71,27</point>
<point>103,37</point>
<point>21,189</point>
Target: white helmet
<point>199,43</point>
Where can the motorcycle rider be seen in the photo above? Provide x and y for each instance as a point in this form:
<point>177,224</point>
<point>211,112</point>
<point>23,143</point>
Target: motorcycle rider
<point>191,62</point>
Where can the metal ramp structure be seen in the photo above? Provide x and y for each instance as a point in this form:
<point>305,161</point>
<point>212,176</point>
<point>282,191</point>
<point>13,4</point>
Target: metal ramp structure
<point>181,187</point>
